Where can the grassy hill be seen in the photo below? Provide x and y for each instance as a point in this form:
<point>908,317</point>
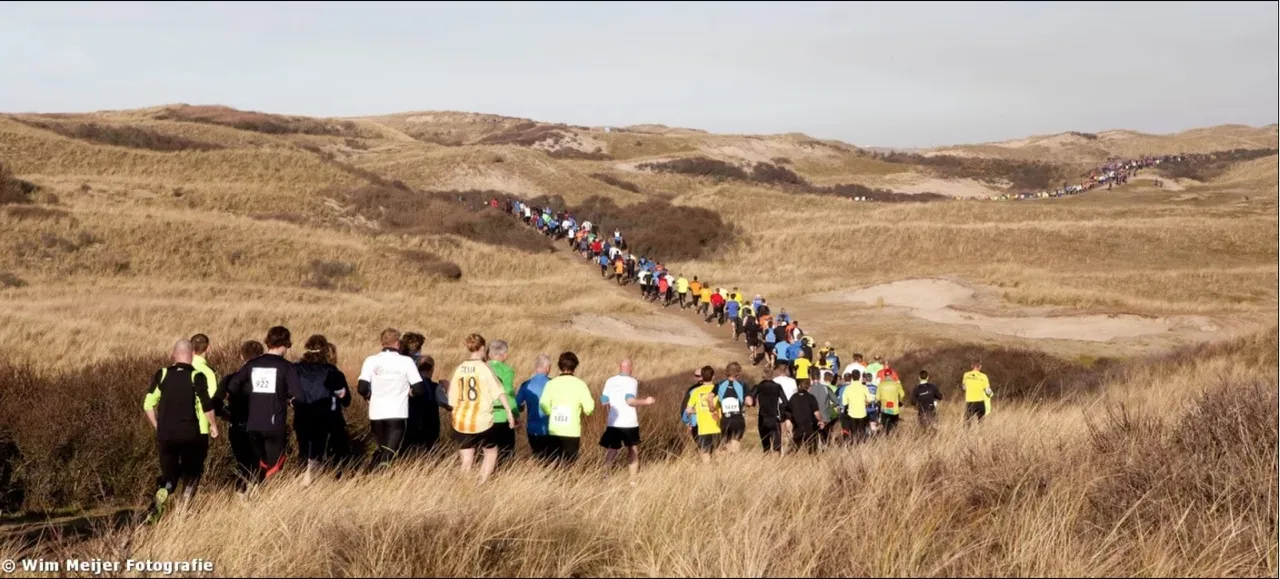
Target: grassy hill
<point>126,230</point>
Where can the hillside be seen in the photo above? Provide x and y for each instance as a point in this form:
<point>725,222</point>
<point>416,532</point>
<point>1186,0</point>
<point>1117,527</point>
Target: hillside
<point>126,230</point>
<point>1078,147</point>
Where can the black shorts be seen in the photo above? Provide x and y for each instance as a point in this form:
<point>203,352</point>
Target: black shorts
<point>733,427</point>
<point>615,438</point>
<point>483,440</point>
<point>753,340</point>
<point>975,409</point>
<point>707,442</point>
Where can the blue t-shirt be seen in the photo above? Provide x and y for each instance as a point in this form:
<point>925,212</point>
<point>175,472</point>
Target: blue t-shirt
<point>604,259</point>
<point>755,305</point>
<point>782,351</point>
<point>529,395</point>
<point>793,353</point>
<point>731,308</point>
<point>769,336</point>
<point>834,360</point>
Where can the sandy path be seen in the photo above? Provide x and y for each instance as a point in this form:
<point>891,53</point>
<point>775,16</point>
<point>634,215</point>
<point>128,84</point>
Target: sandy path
<point>936,301</point>
<point>660,329</point>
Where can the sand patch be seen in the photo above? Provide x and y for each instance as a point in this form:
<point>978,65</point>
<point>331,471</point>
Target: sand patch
<point>670,331</point>
<point>935,300</point>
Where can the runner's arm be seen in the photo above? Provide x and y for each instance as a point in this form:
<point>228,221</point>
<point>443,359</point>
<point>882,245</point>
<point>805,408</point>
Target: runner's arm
<point>201,384</point>
<point>588,401</point>
<point>151,400</point>
<point>417,389</point>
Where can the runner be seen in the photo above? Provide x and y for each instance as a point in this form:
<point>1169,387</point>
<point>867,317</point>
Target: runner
<point>874,369</point>
<point>734,310</point>
<point>566,399</point>
<point>180,410</point>
<point>804,417</point>
<point>200,345</point>
<point>620,270</point>
<point>733,396</point>
<point>623,425</point>
<point>603,260</point>
<point>717,308</point>
<point>664,288</point>
<point>771,399</point>
<point>387,380</point>
<point>800,362</point>
<point>235,410</point>
<point>691,420</point>
<point>670,296</point>
<point>926,397</point>
<point>977,393</point>
<point>704,301</point>
<point>770,342</point>
<point>824,391</point>
<point>887,372</point>
<point>782,353</point>
<point>528,399</point>
<point>889,394</point>
<point>695,290</point>
<point>503,433</point>
<point>682,289</point>
<point>422,429</point>
<point>473,390</point>
<point>705,406</point>
<point>751,329</point>
<point>873,414</point>
<point>270,382</point>
<point>318,424</point>
<point>855,399</point>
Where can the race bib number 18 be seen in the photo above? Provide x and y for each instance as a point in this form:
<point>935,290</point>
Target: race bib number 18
<point>264,380</point>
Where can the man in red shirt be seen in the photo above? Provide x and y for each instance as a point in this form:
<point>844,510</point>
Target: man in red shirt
<point>717,307</point>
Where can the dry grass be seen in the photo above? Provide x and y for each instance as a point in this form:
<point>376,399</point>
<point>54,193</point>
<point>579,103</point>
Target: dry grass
<point>264,232</point>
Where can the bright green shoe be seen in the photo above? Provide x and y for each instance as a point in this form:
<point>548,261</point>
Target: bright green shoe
<point>157,511</point>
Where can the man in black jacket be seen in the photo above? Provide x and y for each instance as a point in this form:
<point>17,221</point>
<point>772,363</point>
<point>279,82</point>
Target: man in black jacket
<point>770,398</point>
<point>805,416</point>
<point>926,397</point>
<point>235,410</point>
<point>180,410</point>
<point>270,383</point>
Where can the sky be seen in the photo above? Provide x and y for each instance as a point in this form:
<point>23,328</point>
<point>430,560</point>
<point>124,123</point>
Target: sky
<point>911,74</point>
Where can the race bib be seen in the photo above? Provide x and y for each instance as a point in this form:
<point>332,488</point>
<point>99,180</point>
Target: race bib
<point>890,405</point>
<point>264,380</point>
<point>730,405</point>
<point>561,415</point>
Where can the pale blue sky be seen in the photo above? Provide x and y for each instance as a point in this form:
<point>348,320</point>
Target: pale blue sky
<point>910,74</point>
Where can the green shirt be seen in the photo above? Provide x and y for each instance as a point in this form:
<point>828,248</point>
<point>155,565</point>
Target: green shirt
<point>565,399</point>
<point>507,375</point>
<point>856,399</point>
<point>202,367</point>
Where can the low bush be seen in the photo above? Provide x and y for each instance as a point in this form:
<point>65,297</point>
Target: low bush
<point>36,213</point>
<point>616,182</point>
<point>430,264</point>
<point>123,136</point>
<point>698,167</point>
<point>1204,167</point>
<point>571,153</point>
<point>1020,175</point>
<point>258,122</point>
<point>526,134</point>
<point>10,280</point>
<point>329,275</point>
<point>14,190</point>
<point>404,211</point>
<point>655,227</point>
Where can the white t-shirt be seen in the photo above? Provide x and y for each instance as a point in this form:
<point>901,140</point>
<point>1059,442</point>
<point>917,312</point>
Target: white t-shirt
<point>586,225</point>
<point>389,375</point>
<point>788,385</point>
<point>856,366</point>
<point>618,390</point>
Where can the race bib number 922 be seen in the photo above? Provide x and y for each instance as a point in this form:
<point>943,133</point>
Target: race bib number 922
<point>264,380</point>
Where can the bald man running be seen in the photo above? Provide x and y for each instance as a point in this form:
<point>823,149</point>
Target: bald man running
<point>623,426</point>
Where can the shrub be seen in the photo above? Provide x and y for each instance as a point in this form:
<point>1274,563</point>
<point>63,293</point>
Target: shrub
<point>571,153</point>
<point>776,175</point>
<point>10,280</point>
<point>616,182</point>
<point>430,264</point>
<point>655,227</point>
<point>35,212</point>
<point>1203,167</point>
<point>526,134</point>
<point>258,122</point>
<point>123,136</point>
<point>781,161</point>
<point>1085,136</point>
<point>1016,374</point>
<point>1021,175</point>
<point>328,275</point>
<point>13,189</point>
<point>697,166</point>
<point>402,210</point>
